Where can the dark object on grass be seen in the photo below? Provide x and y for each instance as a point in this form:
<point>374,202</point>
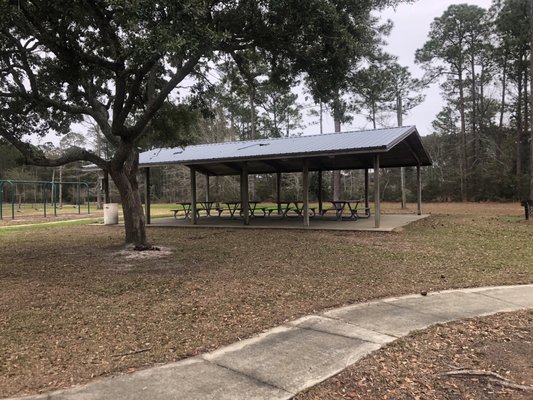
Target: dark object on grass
<point>528,208</point>
<point>424,293</point>
<point>146,247</point>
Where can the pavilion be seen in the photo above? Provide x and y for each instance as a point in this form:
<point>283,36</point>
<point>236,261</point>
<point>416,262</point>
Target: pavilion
<point>369,149</point>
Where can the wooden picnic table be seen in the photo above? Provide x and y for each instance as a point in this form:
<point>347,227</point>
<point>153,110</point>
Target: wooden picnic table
<point>234,206</point>
<point>186,208</point>
<point>341,206</point>
<point>297,207</point>
<point>207,206</point>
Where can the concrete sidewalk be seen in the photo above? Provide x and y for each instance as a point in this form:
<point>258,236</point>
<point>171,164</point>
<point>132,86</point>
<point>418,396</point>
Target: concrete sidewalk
<point>285,360</point>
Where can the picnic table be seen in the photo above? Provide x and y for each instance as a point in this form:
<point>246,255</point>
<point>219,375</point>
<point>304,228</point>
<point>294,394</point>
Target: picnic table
<point>234,206</point>
<point>342,207</point>
<point>186,207</point>
<point>296,206</point>
<point>207,206</point>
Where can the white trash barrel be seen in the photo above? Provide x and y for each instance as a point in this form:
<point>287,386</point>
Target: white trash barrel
<point>110,214</point>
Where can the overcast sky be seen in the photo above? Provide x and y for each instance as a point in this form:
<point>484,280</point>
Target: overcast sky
<point>410,32</point>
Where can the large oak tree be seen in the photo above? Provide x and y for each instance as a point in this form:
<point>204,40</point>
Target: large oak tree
<point>118,61</point>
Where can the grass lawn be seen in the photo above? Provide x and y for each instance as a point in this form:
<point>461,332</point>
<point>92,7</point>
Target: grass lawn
<point>74,306</point>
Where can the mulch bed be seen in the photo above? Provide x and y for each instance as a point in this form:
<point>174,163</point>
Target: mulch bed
<point>481,358</point>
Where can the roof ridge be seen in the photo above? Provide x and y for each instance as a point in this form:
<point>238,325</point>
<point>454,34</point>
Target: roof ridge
<point>290,137</point>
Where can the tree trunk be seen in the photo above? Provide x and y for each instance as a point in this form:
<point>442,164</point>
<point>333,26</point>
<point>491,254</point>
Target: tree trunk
<point>399,117</point>
<point>126,181</point>
<point>473,89</point>
<point>526,102</point>
<point>504,91</point>
<point>519,129</point>
<point>531,98</point>
<point>464,158</point>
<point>99,201</point>
<point>337,173</point>
<point>252,131</point>
<point>321,118</point>
<point>374,115</point>
<point>252,111</point>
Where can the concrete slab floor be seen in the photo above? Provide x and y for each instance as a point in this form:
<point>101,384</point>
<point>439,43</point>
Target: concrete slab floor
<point>389,222</point>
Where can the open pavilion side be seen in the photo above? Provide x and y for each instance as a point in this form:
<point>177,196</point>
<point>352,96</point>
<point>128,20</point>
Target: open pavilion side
<point>367,150</point>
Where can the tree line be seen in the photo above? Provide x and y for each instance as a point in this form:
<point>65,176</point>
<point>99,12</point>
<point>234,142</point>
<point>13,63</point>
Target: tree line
<point>482,139</point>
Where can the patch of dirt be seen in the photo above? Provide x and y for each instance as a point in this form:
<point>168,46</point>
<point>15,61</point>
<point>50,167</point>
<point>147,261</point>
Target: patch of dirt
<point>423,365</point>
<point>129,253</point>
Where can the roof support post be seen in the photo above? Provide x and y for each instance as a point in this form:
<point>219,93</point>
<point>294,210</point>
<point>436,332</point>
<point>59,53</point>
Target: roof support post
<point>245,202</point>
<point>193,196</point>
<point>377,194</point>
<point>305,184</point>
<point>367,209</point>
<point>147,194</point>
<point>320,193</point>
<point>207,188</point>
<point>278,191</point>
<point>419,190</point>
<point>402,187</point>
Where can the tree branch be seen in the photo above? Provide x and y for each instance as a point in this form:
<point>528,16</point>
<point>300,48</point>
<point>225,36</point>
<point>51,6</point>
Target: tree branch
<point>155,104</point>
<point>34,156</point>
<point>62,51</point>
<point>122,105</point>
<point>491,377</point>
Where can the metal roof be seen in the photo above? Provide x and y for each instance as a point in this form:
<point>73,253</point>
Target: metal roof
<point>347,150</point>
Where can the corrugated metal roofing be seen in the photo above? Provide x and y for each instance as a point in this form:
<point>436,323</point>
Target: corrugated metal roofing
<point>380,140</point>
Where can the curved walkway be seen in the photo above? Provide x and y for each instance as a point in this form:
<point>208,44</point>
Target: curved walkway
<point>285,360</point>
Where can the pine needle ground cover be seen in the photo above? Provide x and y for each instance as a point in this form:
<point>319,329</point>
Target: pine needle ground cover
<point>482,358</point>
<point>75,306</point>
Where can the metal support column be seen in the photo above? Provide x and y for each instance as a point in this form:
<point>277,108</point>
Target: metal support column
<point>207,188</point>
<point>419,190</point>
<point>54,198</point>
<point>278,191</point>
<point>320,193</point>
<point>305,189</point>
<point>193,196</point>
<point>367,208</point>
<point>245,203</point>
<point>402,186</point>
<point>377,195</point>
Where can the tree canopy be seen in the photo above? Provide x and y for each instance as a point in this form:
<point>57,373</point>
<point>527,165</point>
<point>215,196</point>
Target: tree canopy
<point>118,62</point>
